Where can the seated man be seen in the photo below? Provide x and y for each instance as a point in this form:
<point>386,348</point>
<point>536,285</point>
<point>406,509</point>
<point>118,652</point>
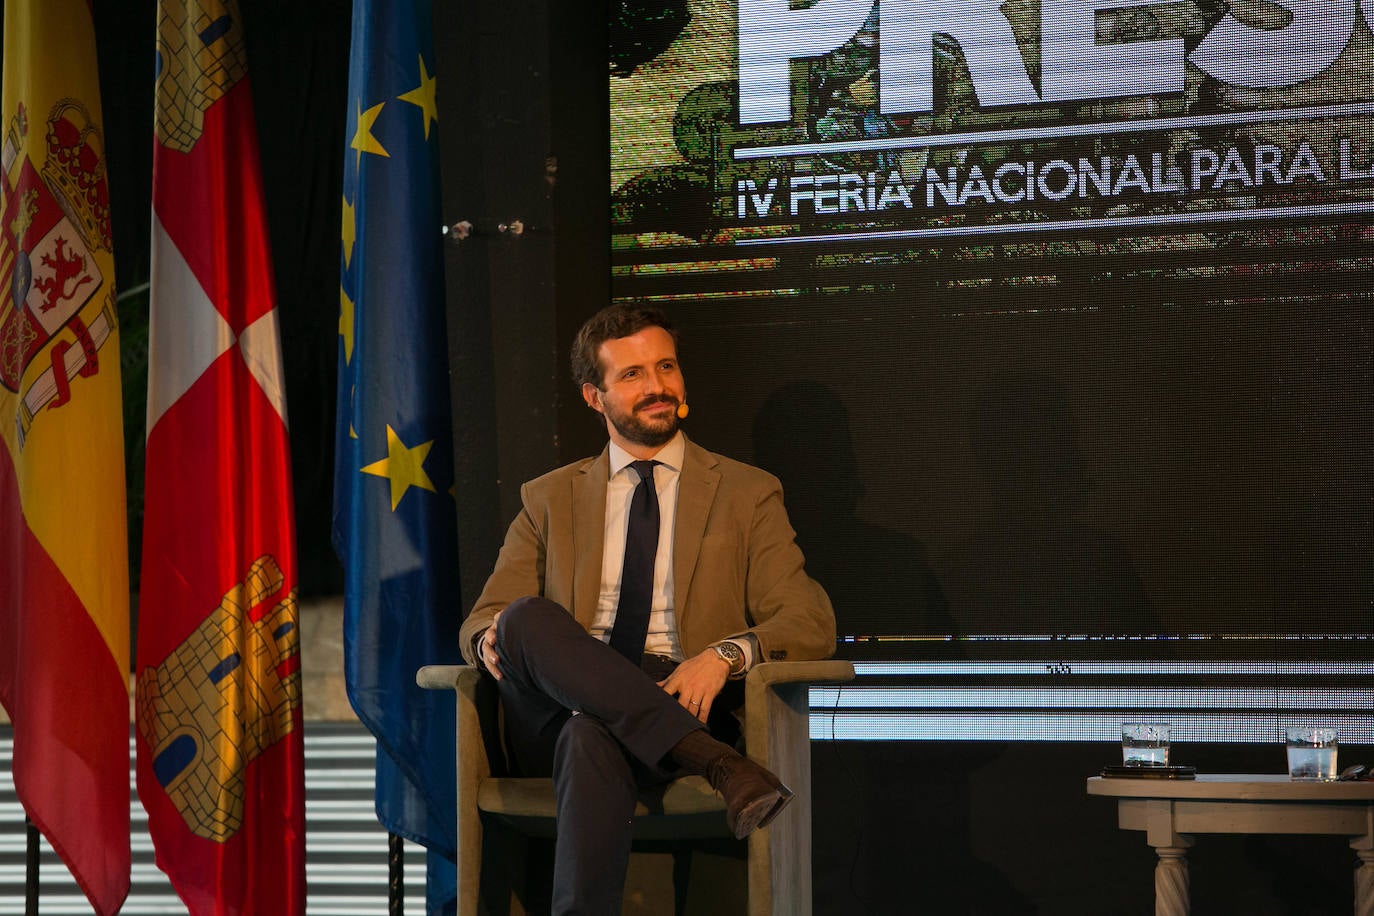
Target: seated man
<point>631,589</point>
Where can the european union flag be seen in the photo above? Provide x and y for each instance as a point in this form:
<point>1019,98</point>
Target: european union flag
<point>394,520</point>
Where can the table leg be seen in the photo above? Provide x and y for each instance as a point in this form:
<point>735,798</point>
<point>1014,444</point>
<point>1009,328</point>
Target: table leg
<point>1364,883</point>
<point>1171,881</point>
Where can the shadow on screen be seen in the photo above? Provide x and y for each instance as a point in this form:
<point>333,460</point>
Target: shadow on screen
<point>1036,563</point>
<point>879,580</point>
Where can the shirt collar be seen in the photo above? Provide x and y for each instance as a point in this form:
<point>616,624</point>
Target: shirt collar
<point>671,455</point>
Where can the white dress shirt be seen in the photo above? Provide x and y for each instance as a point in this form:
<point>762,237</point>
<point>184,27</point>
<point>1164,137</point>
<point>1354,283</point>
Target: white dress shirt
<point>662,636</point>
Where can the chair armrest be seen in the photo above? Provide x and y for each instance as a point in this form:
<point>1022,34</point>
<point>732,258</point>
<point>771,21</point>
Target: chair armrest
<point>830,671</point>
<point>777,733</point>
<point>446,677</point>
<point>471,750</point>
<point>777,727</point>
<point>473,766</point>
<point>777,711</point>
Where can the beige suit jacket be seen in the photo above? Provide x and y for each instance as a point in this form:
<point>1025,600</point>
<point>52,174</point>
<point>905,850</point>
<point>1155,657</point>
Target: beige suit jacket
<point>737,567</point>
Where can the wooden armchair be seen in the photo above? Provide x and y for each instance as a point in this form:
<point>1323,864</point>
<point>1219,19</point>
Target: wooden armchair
<point>777,735</point>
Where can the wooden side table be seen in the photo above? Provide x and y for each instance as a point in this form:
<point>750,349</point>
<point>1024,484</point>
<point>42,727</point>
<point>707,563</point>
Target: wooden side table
<point>1171,811</point>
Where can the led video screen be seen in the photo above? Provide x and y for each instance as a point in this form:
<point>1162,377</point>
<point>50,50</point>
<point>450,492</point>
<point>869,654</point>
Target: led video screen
<point>1053,317</point>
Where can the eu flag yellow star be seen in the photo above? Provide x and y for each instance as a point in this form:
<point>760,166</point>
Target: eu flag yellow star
<point>348,232</point>
<point>423,96</point>
<point>363,141</point>
<point>403,466</point>
<point>346,324</point>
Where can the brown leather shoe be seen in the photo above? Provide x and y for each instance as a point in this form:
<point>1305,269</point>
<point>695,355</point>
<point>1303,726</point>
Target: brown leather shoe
<point>753,796</point>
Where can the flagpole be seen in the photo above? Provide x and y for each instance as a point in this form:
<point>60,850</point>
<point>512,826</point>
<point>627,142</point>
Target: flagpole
<point>396,887</point>
<point>30,869</point>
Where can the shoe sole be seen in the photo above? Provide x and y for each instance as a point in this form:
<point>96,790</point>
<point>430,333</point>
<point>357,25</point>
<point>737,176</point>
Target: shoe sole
<point>761,811</point>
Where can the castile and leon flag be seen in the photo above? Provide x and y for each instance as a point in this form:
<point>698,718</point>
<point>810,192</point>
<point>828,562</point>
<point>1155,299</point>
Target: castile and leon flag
<point>218,694</point>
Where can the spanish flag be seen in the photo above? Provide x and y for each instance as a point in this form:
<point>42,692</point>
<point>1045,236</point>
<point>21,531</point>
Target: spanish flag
<point>219,732</point>
<point>64,584</point>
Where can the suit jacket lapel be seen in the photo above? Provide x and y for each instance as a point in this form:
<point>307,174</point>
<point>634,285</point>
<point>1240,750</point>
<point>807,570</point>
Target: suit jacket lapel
<point>695,492</point>
<point>589,533</point>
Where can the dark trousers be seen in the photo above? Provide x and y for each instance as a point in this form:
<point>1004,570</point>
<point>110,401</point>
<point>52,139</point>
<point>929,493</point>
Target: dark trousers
<point>599,758</point>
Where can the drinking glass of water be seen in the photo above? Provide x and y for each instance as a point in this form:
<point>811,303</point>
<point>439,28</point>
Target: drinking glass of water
<point>1311,753</point>
<point>1145,744</point>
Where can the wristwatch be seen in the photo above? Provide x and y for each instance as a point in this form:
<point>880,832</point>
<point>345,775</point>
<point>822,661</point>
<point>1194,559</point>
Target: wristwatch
<point>734,657</point>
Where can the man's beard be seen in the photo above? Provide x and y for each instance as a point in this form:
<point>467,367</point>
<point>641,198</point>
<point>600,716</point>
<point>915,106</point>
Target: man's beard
<point>649,434</point>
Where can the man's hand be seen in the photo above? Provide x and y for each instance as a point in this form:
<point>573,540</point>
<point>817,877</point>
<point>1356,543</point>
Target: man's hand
<point>697,681</point>
<point>486,649</point>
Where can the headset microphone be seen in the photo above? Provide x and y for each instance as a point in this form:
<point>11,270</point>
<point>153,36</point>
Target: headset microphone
<point>682,410</point>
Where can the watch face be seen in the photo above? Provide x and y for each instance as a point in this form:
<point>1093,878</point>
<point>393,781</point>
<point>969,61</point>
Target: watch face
<point>731,653</point>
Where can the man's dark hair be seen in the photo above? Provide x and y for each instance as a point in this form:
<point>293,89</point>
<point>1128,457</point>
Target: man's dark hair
<point>612,322</point>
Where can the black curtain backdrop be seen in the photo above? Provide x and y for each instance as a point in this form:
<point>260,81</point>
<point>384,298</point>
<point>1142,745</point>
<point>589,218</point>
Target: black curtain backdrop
<point>298,65</point>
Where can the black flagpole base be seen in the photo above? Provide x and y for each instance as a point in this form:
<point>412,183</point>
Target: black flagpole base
<point>30,869</point>
<point>396,883</point>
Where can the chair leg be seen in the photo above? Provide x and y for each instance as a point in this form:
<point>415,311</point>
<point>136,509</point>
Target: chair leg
<point>682,880</point>
<point>516,872</point>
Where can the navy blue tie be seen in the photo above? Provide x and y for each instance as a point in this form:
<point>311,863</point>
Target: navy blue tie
<point>637,576</point>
